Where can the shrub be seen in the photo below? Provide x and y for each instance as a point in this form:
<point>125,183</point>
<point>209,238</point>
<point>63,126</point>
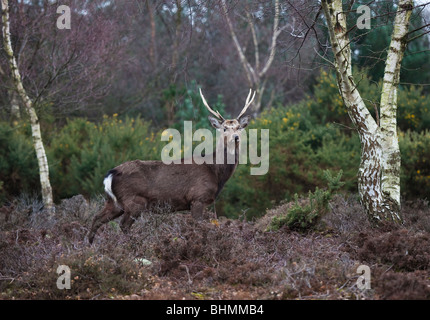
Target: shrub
<point>83,152</point>
<point>18,164</point>
<point>326,104</point>
<point>415,169</point>
<point>193,109</point>
<point>299,152</point>
<point>413,109</point>
<point>403,249</point>
<point>301,148</point>
<point>303,217</point>
<point>206,252</point>
<point>97,273</point>
<point>402,286</point>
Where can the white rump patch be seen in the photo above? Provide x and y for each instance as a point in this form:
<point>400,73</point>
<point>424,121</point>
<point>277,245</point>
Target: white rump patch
<point>108,187</point>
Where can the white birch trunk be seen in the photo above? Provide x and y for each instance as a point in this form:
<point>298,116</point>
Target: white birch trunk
<point>34,121</point>
<point>391,159</point>
<point>379,147</point>
<point>14,106</point>
<point>256,78</point>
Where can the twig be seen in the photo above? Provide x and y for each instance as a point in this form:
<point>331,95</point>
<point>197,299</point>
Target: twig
<point>324,58</point>
<point>343,125</point>
<point>188,273</point>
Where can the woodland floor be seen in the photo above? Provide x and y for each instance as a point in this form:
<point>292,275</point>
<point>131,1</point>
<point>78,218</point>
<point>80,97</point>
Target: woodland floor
<point>172,256</point>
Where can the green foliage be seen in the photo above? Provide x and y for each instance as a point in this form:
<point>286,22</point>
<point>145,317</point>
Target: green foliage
<point>82,152</point>
<point>415,169</point>
<point>304,216</point>
<point>369,48</point>
<point>326,104</point>
<point>300,150</point>
<point>193,109</point>
<point>413,109</point>
<point>18,164</point>
<point>2,195</point>
<point>334,183</point>
<point>185,104</point>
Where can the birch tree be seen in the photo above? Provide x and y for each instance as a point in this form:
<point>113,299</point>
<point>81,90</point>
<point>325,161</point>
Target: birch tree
<point>256,74</point>
<point>29,108</point>
<point>379,170</point>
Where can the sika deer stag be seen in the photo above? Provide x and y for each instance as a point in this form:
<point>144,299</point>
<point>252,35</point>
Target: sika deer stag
<point>134,186</point>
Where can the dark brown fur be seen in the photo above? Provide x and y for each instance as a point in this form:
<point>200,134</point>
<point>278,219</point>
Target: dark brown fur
<point>139,184</point>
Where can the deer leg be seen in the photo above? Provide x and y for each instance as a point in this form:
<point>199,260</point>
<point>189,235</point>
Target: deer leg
<point>133,208</point>
<point>108,213</point>
<point>197,209</point>
<point>127,221</point>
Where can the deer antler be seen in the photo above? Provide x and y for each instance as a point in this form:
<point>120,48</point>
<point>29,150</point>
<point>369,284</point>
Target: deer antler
<point>216,114</point>
<point>247,103</point>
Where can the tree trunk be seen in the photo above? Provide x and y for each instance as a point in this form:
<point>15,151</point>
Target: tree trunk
<point>256,78</point>
<point>391,159</point>
<point>379,171</point>
<point>153,46</point>
<point>14,106</point>
<point>34,121</point>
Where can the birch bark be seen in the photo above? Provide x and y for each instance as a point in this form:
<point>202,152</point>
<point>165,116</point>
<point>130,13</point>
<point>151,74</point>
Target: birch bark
<point>34,121</point>
<point>14,105</point>
<point>379,171</point>
<point>391,159</point>
<point>256,77</point>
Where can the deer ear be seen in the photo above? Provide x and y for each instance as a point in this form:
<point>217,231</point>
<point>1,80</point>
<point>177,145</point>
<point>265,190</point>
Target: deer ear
<point>243,121</point>
<point>216,123</point>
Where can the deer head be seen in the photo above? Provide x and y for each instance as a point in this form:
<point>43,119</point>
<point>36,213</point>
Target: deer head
<point>230,129</point>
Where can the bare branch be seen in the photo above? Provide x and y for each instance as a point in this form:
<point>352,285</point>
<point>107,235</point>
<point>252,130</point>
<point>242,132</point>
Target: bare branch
<point>275,35</point>
<point>254,39</point>
<point>250,73</point>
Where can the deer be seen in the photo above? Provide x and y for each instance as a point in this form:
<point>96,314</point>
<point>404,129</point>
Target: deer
<point>134,186</point>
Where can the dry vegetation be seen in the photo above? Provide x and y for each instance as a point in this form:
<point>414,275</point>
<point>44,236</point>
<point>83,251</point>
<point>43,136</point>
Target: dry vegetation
<point>211,259</point>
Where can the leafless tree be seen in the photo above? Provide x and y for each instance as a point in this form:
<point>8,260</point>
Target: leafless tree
<point>51,68</point>
<point>29,107</point>
<point>256,72</point>
<point>64,69</point>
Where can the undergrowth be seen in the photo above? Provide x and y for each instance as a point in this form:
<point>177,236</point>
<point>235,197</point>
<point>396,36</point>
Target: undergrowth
<point>305,216</point>
<point>171,256</point>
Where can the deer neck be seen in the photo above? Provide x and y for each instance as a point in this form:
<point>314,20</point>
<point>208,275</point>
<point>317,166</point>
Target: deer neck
<point>225,170</point>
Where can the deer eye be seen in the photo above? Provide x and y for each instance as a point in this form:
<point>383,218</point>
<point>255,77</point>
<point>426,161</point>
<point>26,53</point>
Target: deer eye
<point>225,129</point>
